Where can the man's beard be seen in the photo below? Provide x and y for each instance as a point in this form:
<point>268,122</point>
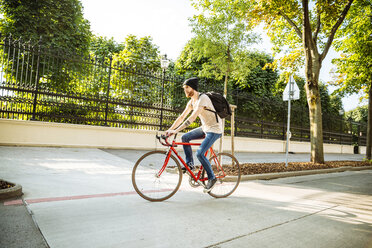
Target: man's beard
<point>190,94</point>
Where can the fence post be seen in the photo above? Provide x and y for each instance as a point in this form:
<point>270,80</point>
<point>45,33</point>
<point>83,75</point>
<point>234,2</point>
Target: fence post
<point>232,133</point>
<point>342,131</point>
<point>284,122</point>
<point>302,124</point>
<point>359,143</point>
<point>162,101</point>
<point>108,91</point>
<point>37,79</point>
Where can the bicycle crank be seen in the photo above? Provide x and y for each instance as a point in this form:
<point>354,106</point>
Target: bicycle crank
<point>193,183</point>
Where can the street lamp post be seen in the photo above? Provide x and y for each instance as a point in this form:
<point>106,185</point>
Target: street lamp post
<point>341,112</point>
<point>164,63</point>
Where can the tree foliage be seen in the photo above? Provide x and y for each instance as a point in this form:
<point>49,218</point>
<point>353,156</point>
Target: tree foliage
<point>140,56</point>
<point>58,24</point>
<point>354,74</point>
<point>256,79</point>
<point>101,47</point>
<point>222,37</point>
<point>259,80</point>
<point>359,114</point>
<point>52,28</point>
<point>140,53</point>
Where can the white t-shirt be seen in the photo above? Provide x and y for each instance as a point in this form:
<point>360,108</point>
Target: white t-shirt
<point>208,118</point>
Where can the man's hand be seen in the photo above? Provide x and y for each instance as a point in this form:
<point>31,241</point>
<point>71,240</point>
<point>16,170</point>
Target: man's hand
<point>170,132</point>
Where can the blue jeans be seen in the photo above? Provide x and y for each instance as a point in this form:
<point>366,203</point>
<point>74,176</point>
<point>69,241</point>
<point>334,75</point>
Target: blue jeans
<point>210,138</point>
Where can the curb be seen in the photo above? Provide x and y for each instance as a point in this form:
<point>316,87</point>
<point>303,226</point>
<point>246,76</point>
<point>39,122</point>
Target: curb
<point>11,192</point>
<point>269,176</point>
<point>276,175</point>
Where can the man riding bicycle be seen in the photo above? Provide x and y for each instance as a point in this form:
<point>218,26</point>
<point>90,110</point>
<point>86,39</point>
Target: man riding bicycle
<point>211,129</point>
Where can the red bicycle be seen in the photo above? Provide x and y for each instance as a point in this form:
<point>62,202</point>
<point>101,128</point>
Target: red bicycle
<point>157,175</point>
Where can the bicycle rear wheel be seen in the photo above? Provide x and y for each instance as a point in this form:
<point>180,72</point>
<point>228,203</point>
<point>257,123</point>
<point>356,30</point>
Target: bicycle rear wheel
<point>226,168</point>
<point>153,184</point>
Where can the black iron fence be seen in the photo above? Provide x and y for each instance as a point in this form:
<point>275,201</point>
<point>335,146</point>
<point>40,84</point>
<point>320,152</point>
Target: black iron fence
<point>44,84</point>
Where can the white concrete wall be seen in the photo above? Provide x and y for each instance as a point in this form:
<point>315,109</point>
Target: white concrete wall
<point>35,133</point>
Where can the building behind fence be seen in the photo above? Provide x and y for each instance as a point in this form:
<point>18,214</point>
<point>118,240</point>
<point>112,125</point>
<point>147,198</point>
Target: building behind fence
<point>42,84</point>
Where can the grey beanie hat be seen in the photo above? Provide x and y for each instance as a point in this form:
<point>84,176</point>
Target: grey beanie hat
<point>192,82</point>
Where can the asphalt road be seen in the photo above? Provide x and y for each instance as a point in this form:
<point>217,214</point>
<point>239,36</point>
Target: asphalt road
<point>84,198</point>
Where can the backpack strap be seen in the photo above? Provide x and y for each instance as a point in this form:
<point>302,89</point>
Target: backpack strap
<point>215,112</point>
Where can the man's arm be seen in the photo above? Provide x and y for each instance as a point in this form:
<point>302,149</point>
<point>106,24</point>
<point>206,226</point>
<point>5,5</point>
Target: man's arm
<point>189,120</point>
<point>179,120</point>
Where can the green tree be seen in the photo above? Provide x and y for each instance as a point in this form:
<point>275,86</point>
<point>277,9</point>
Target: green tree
<point>304,34</point>
<point>53,29</point>
<point>191,60</point>
<point>260,80</point>
<point>354,74</point>
<point>138,58</point>
<point>222,38</point>
<point>194,62</point>
<point>59,24</point>
<point>139,53</point>
<point>101,47</point>
<point>359,114</point>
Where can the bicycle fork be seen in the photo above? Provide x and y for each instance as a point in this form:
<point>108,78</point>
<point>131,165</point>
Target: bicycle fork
<point>169,153</point>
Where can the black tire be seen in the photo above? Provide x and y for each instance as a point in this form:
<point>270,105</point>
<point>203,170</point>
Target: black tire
<point>150,186</point>
<point>228,178</point>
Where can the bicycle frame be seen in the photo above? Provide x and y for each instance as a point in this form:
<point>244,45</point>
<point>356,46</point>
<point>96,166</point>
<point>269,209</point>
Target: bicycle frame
<point>195,177</point>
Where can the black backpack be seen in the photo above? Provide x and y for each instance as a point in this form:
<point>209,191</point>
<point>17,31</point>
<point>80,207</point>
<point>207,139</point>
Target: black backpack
<point>220,104</point>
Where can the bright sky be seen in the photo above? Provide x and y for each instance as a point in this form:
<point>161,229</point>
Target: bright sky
<point>166,21</point>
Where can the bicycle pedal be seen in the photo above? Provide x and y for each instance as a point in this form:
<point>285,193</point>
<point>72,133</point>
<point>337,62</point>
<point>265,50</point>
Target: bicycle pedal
<point>186,171</point>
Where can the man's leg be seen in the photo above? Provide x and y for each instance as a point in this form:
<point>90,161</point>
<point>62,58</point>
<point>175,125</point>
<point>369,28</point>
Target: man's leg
<point>205,145</point>
<point>196,133</point>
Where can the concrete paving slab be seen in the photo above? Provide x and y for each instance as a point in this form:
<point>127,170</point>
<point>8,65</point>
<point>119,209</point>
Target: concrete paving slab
<point>322,229</point>
<point>57,172</point>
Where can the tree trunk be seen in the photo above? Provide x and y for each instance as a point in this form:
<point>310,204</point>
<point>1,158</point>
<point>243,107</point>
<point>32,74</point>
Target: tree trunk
<point>312,69</point>
<point>316,125</point>
<point>369,124</point>
<point>313,63</point>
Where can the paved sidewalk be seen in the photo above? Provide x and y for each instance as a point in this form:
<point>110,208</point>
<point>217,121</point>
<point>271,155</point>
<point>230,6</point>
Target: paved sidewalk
<point>84,198</point>
<point>17,229</point>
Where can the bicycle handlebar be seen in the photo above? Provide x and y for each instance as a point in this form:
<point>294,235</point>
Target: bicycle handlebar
<point>165,137</point>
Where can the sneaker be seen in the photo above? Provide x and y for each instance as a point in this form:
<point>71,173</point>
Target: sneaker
<point>211,183</point>
<point>191,167</point>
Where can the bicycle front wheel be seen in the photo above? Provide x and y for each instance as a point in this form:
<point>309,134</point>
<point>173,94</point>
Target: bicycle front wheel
<point>154,178</point>
<point>226,168</point>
